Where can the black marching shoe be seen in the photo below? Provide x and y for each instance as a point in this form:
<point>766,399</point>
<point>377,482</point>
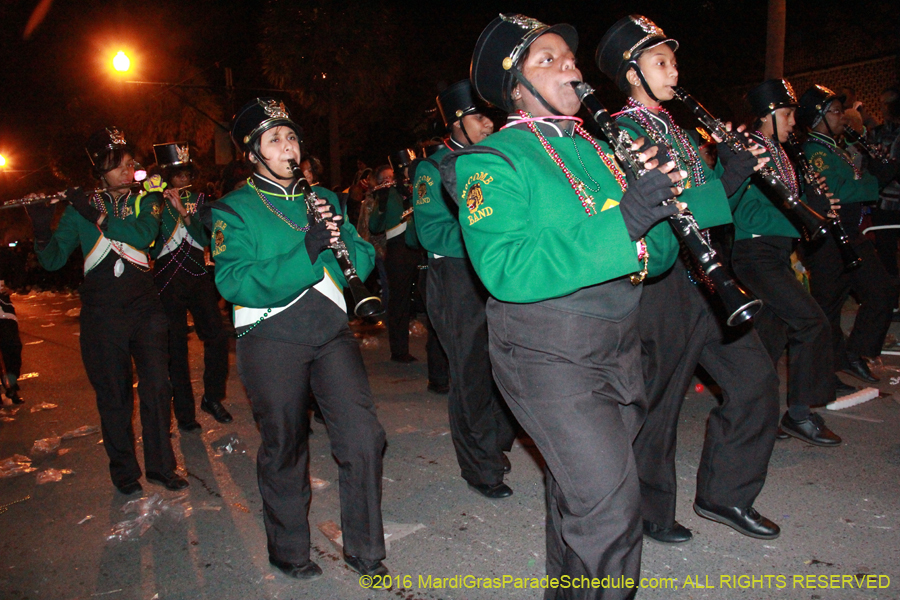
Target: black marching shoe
<point>307,570</point>
<point>130,488</point>
<point>781,435</point>
<point>811,430</point>
<point>507,466</point>
<point>404,358</point>
<point>365,567</point>
<point>743,520</point>
<point>438,388</point>
<point>676,534</point>
<point>494,492</point>
<point>859,369</point>
<point>215,408</point>
<point>12,392</point>
<point>172,481</point>
<point>189,425</point>
<point>842,389</point>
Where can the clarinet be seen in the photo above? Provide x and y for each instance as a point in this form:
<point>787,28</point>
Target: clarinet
<point>849,256</point>
<point>364,303</point>
<point>815,224</point>
<point>855,138</point>
<point>739,305</point>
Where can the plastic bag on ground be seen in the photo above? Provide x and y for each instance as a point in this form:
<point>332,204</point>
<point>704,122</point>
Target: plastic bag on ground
<point>148,510</point>
<point>43,406</point>
<point>81,432</point>
<point>230,444</point>
<point>52,475</point>
<point>45,446</point>
<point>15,465</point>
<point>416,329</point>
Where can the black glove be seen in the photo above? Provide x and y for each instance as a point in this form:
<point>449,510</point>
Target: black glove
<point>641,204</point>
<point>318,238</point>
<point>885,172</point>
<point>817,200</point>
<point>41,216</point>
<point>81,203</point>
<point>739,167</point>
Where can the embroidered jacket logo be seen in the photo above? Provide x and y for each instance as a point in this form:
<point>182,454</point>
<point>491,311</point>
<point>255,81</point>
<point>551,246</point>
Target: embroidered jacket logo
<point>474,200</point>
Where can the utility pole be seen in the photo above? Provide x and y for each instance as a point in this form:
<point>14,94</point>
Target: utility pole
<point>775,39</point>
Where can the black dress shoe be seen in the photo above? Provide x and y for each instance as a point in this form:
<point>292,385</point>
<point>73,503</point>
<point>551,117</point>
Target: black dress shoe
<point>189,425</point>
<point>12,393</point>
<point>811,430</point>
<point>780,434</point>
<point>859,369</point>
<point>307,570</point>
<point>404,358</point>
<point>365,567</point>
<point>215,408</point>
<point>172,482</point>
<point>842,389</point>
<point>743,520</point>
<point>494,492</point>
<point>507,466</point>
<point>437,388</point>
<point>676,534</point>
<point>130,488</point>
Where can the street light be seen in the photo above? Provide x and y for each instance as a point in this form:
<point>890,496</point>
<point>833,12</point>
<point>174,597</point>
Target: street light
<point>121,62</point>
<point>2,161</point>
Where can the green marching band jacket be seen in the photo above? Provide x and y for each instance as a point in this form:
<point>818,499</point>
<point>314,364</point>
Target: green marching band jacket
<point>843,179</point>
<point>437,222</point>
<point>173,231</point>
<point>389,221</point>
<point>755,214</point>
<point>706,201</point>
<point>132,224</point>
<point>263,268</point>
<point>525,229</point>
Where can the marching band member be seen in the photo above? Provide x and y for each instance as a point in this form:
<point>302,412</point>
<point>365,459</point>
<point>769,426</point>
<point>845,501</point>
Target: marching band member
<point>821,111</point>
<point>764,239</point>
<point>740,432</point>
<point>273,262</point>
<point>479,425</point>
<point>121,314</point>
<point>554,235</point>
<point>185,285</point>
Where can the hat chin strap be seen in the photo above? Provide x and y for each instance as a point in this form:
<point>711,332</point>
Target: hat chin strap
<point>462,125</point>
<point>521,79</point>
<point>644,83</point>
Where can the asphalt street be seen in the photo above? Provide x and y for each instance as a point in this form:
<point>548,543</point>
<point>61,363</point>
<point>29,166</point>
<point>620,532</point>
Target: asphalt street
<point>839,509</point>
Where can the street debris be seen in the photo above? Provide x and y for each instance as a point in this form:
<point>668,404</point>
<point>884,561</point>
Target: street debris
<point>318,484</point>
<point>369,343</point>
<point>148,510</point>
<point>15,465</point>
<point>73,312</point>
<point>392,532</point>
<point>6,506</point>
<point>416,329</point>
<point>230,444</point>
<point>45,447</point>
<point>81,432</point>
<point>85,520</point>
<point>52,475</point>
<point>43,406</point>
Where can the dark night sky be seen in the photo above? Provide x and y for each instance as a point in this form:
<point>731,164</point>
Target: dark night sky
<point>722,44</point>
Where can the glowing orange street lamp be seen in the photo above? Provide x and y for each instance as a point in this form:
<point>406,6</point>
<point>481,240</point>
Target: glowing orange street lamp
<point>2,161</point>
<point>121,62</point>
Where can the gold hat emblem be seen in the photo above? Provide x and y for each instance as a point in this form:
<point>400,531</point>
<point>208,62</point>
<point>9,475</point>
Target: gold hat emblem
<point>183,153</point>
<point>274,109</point>
<point>116,137</point>
<point>523,21</point>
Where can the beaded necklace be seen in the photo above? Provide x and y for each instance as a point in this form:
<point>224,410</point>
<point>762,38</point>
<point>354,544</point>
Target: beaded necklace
<point>587,201</point>
<point>844,156</point>
<point>783,165</point>
<point>97,201</point>
<point>275,210</point>
<point>682,151</point>
<point>180,254</point>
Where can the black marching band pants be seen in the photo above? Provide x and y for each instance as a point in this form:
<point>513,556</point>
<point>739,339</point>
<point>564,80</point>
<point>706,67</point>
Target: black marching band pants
<point>402,265</point>
<point>279,377</point>
<point>574,383</point>
<point>789,316</point>
<point>680,328</point>
<point>479,424</point>
<point>870,283</point>
<point>111,335</point>
<point>182,292</point>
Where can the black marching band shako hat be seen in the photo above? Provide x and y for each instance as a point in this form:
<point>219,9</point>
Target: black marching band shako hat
<point>173,155</point>
<point>623,42</point>
<point>813,104</point>
<point>256,117</point>
<point>771,95</point>
<point>103,142</point>
<point>401,158</point>
<point>456,101</point>
<point>494,69</point>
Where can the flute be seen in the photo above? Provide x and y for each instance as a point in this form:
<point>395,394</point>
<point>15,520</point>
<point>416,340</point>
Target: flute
<point>54,198</point>
<point>364,303</point>
<point>739,305</point>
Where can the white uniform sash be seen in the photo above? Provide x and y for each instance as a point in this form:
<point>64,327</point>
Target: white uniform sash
<point>244,315</point>
<point>104,245</point>
<point>395,231</point>
<point>179,235</point>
